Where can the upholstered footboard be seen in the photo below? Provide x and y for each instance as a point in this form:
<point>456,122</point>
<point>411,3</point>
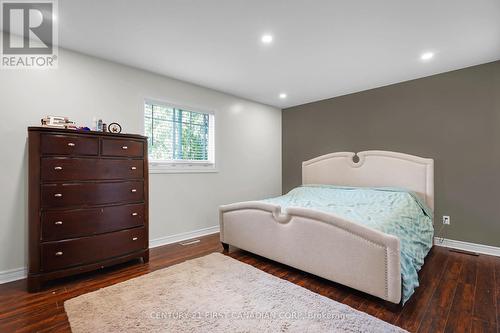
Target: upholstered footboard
<point>318,243</point>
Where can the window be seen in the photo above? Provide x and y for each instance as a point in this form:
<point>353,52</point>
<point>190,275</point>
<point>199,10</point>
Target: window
<point>179,138</point>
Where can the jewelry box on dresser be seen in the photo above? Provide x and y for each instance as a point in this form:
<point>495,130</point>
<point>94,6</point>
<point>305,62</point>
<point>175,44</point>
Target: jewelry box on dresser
<point>88,202</point>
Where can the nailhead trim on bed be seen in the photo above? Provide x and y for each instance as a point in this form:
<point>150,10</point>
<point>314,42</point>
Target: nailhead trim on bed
<point>274,212</point>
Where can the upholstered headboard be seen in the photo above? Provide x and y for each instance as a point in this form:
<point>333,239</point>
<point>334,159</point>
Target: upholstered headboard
<point>374,168</point>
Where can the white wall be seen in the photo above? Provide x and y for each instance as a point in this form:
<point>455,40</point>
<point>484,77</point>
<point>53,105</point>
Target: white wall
<point>248,142</point>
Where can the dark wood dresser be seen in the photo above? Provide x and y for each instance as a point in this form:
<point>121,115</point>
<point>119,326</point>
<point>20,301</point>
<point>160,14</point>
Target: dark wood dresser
<point>88,202</point>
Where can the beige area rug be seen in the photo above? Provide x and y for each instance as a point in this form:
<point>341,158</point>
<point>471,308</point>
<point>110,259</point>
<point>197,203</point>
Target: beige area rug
<point>214,293</point>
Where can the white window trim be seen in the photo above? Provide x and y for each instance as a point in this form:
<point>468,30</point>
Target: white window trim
<point>183,166</point>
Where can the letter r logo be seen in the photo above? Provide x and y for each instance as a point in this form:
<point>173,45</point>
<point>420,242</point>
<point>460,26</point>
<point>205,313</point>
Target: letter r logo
<point>28,27</point>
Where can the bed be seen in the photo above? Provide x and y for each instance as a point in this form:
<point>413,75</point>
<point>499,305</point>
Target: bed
<point>333,244</point>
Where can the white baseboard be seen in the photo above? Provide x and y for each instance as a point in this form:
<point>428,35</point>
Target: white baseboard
<point>13,275</point>
<point>466,246</point>
<point>182,236</point>
<point>21,273</point>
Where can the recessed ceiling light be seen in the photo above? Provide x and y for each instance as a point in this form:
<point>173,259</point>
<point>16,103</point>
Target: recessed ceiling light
<point>427,56</point>
<point>282,95</point>
<point>267,39</point>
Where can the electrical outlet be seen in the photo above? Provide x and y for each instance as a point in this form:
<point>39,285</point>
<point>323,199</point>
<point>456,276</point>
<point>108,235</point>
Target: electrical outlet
<point>446,219</point>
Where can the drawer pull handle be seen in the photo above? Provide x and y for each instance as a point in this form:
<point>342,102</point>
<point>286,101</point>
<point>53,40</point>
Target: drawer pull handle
<point>58,222</point>
<point>124,147</point>
<point>58,168</point>
<point>60,253</point>
<point>58,195</point>
<point>133,168</point>
<point>134,214</point>
<point>134,239</point>
<point>133,190</point>
<point>71,144</point>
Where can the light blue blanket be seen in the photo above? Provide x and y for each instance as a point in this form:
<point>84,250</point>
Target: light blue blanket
<point>390,210</point>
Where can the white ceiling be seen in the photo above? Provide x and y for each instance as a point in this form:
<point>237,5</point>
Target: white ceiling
<point>321,48</point>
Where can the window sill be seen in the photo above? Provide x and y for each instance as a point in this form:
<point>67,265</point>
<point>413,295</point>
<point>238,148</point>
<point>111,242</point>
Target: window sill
<point>155,168</point>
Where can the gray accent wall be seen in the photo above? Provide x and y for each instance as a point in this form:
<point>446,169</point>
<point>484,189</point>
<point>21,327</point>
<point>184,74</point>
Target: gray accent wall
<point>453,118</point>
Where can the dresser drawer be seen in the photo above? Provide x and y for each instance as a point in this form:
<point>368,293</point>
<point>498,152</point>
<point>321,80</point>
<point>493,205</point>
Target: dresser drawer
<point>55,144</point>
<point>62,224</point>
<point>122,147</point>
<point>74,252</point>
<point>90,194</point>
<point>62,168</point>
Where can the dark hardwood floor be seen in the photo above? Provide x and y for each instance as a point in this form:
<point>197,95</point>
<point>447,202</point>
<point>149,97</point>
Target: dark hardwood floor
<point>457,293</point>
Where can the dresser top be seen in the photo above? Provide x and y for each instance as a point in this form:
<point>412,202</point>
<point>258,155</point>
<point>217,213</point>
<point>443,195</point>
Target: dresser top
<point>71,131</point>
